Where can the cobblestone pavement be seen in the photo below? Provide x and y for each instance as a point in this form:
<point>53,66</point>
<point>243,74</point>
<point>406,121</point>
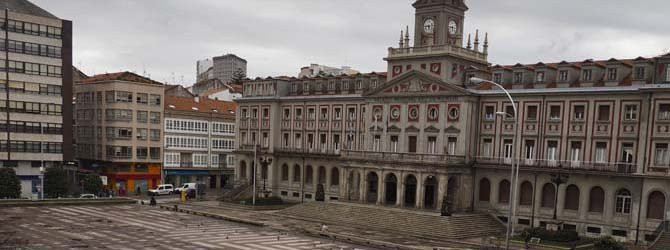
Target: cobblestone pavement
<point>141,227</point>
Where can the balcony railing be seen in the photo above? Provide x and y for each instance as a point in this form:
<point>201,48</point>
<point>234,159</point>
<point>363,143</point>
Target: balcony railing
<point>610,167</point>
<point>315,151</point>
<point>437,49</point>
<point>404,157</point>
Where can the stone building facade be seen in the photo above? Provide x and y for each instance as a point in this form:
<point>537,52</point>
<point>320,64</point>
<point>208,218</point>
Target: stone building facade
<point>199,141</point>
<point>422,134</point>
<point>35,91</point>
<point>119,129</point>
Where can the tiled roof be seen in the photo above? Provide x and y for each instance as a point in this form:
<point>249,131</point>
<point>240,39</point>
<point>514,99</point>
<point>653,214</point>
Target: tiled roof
<point>120,76</point>
<point>204,105</point>
<point>599,63</point>
<point>234,88</point>
<point>25,7</point>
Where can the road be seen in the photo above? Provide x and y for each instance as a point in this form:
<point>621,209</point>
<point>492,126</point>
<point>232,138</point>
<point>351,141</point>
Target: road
<point>141,227</point>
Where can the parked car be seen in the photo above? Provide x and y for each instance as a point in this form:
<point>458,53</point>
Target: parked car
<point>162,189</point>
<point>88,196</point>
<point>185,187</point>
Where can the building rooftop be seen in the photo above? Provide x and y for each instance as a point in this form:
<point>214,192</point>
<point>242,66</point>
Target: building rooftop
<point>119,76</point>
<point>25,7</point>
<point>201,105</point>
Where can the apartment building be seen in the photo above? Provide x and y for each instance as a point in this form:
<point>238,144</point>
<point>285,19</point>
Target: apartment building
<point>119,128</point>
<point>35,91</point>
<point>220,70</point>
<point>199,141</point>
<point>593,134</point>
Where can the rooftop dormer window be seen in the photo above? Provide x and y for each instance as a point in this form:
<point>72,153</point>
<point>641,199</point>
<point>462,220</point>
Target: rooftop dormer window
<point>639,73</point>
<point>539,76</point>
<point>563,76</point>
<point>611,74</point>
<point>587,75</point>
<point>518,77</point>
<point>497,77</point>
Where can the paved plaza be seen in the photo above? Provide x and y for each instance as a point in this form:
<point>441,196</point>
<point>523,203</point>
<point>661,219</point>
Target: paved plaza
<point>141,227</point>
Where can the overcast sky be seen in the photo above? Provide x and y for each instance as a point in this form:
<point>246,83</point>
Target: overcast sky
<point>277,37</point>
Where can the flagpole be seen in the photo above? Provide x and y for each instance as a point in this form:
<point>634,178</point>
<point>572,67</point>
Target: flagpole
<point>253,198</point>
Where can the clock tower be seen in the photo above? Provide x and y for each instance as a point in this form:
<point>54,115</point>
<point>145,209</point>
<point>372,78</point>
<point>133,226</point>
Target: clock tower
<point>439,22</point>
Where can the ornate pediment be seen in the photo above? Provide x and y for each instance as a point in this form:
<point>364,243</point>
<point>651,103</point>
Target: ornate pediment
<point>394,129</point>
<point>417,83</point>
<point>376,129</point>
<point>412,129</point>
<point>431,129</point>
<point>452,130</point>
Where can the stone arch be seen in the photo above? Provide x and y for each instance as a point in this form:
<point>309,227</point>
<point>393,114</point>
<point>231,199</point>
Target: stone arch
<point>430,185</point>
<point>548,195</point>
<point>410,190</point>
<point>309,174</point>
<point>526,194</point>
<point>391,187</point>
<point>571,197</point>
<point>243,169</point>
<point>296,173</point>
<point>503,192</point>
<point>284,172</point>
<point>373,184</point>
<point>656,205</point>
<point>596,200</point>
<point>484,190</point>
<point>334,176</point>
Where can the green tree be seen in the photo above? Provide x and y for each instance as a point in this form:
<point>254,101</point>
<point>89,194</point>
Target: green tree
<point>608,243</point>
<point>92,183</point>
<point>55,182</point>
<point>238,76</point>
<point>10,185</point>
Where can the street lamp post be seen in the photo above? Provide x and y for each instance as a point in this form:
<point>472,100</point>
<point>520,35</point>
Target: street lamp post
<point>514,175</point>
<point>41,183</point>
<point>558,179</point>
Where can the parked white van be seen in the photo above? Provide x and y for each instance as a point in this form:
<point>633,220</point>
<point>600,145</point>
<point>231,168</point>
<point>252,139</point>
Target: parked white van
<point>162,189</point>
<point>185,187</point>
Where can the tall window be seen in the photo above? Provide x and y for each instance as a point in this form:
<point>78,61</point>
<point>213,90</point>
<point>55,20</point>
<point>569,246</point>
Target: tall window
<point>539,76</point>
<point>322,141</point>
<point>394,144</point>
<point>662,157</point>
<point>298,141</point>
<point>376,143</point>
<point>601,152</point>
<point>287,113</point>
<point>529,150</point>
<point>603,113</point>
<point>555,113</point>
<point>310,141</point>
<point>571,198</point>
<point>563,76</point>
<point>664,111</point>
<point>507,147</point>
<point>503,192</point>
<point>627,153</point>
<point>497,77</point>
<point>484,190</point>
<point>548,193</point>
<point>611,74</point>
<point>575,151</point>
<point>451,145</point>
<point>552,150</point>
<point>630,112</point>
<point>286,140</point>
<point>336,142</point>
<point>487,148</point>
<point>639,73</point>
<point>531,113</point>
<point>489,113</point>
<point>623,202</point>
<point>596,200</point>
<point>518,77</point>
<point>579,112</point>
<point>431,144</point>
<point>587,75</point>
<point>526,194</point>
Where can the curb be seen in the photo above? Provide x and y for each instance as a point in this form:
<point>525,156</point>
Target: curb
<point>67,203</point>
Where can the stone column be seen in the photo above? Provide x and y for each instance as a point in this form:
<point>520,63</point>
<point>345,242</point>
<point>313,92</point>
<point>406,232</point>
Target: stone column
<point>419,190</point>
<point>315,179</point>
<point>380,188</point>
<point>218,181</point>
<point>363,186</point>
<point>441,190</point>
<point>326,182</point>
<point>400,186</point>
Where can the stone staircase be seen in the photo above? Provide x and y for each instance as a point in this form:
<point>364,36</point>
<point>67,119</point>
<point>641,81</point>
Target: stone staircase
<point>663,234</point>
<point>414,223</point>
<point>239,192</point>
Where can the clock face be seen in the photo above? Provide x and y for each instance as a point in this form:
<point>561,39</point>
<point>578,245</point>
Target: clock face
<point>429,26</point>
<point>453,27</point>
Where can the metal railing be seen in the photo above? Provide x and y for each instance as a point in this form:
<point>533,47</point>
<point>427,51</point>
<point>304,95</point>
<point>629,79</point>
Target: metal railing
<point>315,151</point>
<point>447,48</point>
<point>615,167</point>
<point>403,157</point>
<point>660,230</point>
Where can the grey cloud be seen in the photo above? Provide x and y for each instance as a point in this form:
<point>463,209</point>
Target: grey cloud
<point>279,36</point>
